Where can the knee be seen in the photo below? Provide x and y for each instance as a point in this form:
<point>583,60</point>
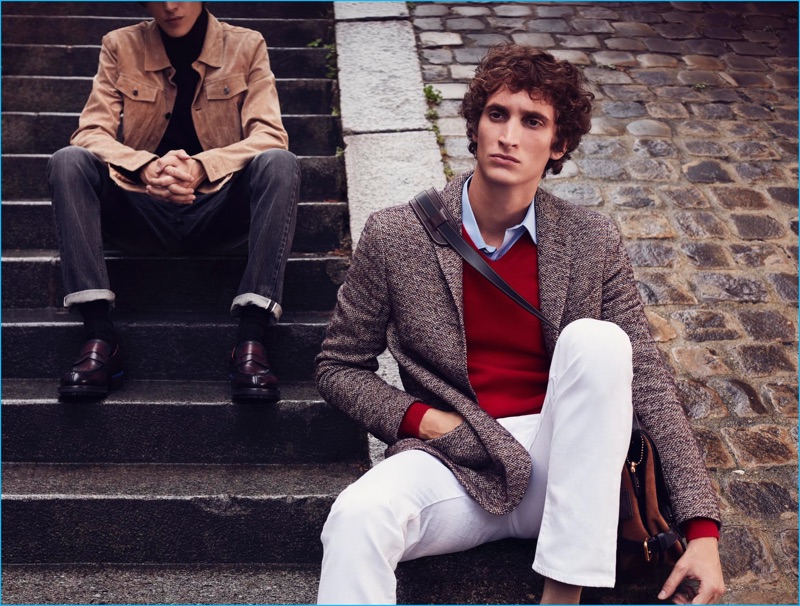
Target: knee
<point>69,161</point>
<point>70,156</point>
<point>597,343</point>
<point>277,161</point>
<point>357,514</point>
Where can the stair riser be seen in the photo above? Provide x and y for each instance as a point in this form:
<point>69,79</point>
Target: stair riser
<point>297,432</point>
<point>24,178</point>
<point>320,227</point>
<point>47,94</point>
<point>62,61</point>
<point>284,10</point>
<point>164,284</point>
<point>160,351</point>
<point>44,134</point>
<point>40,29</point>
<point>162,530</point>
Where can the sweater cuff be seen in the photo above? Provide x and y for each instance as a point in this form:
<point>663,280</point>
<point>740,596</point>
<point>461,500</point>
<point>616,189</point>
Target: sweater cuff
<point>409,428</point>
<point>698,528</point>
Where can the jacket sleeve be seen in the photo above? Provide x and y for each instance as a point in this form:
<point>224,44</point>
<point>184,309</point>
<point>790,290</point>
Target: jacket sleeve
<point>655,397</point>
<point>261,122</point>
<point>356,336</point>
<point>100,119</point>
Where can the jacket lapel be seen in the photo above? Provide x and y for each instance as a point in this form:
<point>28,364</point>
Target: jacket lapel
<point>555,264</point>
<point>449,261</point>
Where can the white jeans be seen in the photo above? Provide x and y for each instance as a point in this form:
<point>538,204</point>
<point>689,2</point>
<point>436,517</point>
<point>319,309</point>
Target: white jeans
<point>411,505</point>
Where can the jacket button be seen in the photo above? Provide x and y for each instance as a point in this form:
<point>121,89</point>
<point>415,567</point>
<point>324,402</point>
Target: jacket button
<point>226,90</point>
<point>167,116</point>
<point>135,93</point>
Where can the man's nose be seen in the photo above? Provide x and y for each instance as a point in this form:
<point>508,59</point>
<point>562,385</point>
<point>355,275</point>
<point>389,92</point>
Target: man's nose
<point>171,7</point>
<point>510,133</point>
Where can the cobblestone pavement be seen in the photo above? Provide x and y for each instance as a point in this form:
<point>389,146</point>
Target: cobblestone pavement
<point>693,153</point>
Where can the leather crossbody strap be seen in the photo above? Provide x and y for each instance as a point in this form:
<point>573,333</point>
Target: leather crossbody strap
<point>443,230</point>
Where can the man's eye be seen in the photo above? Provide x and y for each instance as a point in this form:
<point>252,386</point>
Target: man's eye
<point>534,122</point>
<point>495,115</point>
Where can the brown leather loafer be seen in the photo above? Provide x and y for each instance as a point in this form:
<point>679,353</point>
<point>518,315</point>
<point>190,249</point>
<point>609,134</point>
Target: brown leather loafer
<point>96,371</point>
<point>251,377</point>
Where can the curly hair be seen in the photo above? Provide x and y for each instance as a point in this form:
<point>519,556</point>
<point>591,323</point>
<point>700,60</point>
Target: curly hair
<point>518,67</point>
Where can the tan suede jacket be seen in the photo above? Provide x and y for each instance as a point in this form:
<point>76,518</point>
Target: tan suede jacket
<point>236,110</point>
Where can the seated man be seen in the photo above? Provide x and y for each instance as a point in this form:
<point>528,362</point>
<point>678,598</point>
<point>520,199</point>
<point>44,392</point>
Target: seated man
<point>506,427</point>
<point>200,165</point>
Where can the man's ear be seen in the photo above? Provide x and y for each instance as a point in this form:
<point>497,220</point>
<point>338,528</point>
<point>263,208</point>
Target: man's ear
<point>556,154</point>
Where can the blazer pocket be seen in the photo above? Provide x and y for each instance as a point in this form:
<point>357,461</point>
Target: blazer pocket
<point>462,446</point>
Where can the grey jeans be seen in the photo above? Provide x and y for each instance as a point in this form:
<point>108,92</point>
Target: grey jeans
<point>256,210</point>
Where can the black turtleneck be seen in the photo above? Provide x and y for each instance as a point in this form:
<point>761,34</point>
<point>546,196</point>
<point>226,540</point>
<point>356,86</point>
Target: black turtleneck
<point>182,52</point>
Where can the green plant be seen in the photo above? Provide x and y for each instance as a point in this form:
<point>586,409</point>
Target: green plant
<point>432,114</point>
<point>432,95</point>
<point>315,43</point>
<point>700,86</point>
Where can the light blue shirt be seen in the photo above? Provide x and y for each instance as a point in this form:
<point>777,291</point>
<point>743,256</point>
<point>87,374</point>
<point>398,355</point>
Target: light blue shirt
<point>512,233</point>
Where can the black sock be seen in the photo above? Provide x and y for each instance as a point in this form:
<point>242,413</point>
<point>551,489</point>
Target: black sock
<point>253,322</point>
<point>97,321</point>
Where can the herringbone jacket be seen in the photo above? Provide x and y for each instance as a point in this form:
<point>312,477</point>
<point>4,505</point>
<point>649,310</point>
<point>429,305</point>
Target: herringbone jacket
<point>404,291</point>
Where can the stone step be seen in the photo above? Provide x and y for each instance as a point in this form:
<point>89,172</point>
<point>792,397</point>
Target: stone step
<point>138,513</point>
<point>32,279</point>
<point>81,60</point>
<point>24,177</point>
<point>42,343</point>
<point>497,573</point>
<point>60,94</point>
<point>175,422</point>
<point>160,584</point>
<point>283,10</point>
<point>44,133</point>
<point>89,29</point>
<point>321,226</point>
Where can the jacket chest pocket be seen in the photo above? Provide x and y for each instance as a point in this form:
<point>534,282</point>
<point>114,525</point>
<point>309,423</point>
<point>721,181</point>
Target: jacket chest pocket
<point>223,107</point>
<point>139,106</point>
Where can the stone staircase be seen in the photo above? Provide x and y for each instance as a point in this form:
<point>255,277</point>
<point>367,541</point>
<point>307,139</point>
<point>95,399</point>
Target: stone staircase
<point>165,491</point>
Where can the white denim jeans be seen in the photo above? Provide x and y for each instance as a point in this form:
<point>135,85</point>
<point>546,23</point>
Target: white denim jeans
<point>411,505</point>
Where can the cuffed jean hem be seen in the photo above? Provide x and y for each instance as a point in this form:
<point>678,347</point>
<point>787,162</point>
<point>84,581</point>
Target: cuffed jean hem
<point>575,579</point>
<point>250,298</point>
<point>84,296</point>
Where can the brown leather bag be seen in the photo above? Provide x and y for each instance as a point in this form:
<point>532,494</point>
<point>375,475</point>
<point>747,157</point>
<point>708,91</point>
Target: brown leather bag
<point>648,541</point>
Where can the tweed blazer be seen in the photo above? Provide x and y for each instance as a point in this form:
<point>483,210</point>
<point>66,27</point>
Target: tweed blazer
<point>405,292</point>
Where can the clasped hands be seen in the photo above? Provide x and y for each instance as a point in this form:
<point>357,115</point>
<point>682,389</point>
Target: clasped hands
<point>174,177</point>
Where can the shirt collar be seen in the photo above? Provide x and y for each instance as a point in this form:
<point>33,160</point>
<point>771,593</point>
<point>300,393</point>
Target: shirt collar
<point>471,225</point>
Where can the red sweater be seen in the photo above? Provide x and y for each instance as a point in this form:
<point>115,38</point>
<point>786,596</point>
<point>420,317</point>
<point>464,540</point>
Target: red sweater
<point>507,361</point>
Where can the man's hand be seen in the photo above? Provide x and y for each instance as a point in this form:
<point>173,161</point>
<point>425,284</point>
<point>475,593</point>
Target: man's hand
<point>436,423</point>
<point>700,563</point>
<point>173,177</point>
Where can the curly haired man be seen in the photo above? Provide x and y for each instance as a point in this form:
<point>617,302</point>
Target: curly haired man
<point>506,427</point>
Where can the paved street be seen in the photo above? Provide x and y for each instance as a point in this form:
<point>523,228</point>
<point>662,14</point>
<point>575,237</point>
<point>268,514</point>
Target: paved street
<point>693,154</point>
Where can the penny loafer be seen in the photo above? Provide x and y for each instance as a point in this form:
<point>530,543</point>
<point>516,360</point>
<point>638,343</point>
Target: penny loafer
<point>251,376</point>
<point>96,371</point>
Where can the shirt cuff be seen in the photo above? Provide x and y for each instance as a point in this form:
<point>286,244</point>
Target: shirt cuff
<point>409,428</point>
<point>698,528</point>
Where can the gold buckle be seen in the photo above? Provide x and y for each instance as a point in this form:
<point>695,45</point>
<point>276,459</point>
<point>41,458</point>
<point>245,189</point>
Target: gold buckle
<point>647,554</point>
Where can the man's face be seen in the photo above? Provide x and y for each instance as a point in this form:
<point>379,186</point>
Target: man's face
<point>175,18</point>
<point>515,137</point>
